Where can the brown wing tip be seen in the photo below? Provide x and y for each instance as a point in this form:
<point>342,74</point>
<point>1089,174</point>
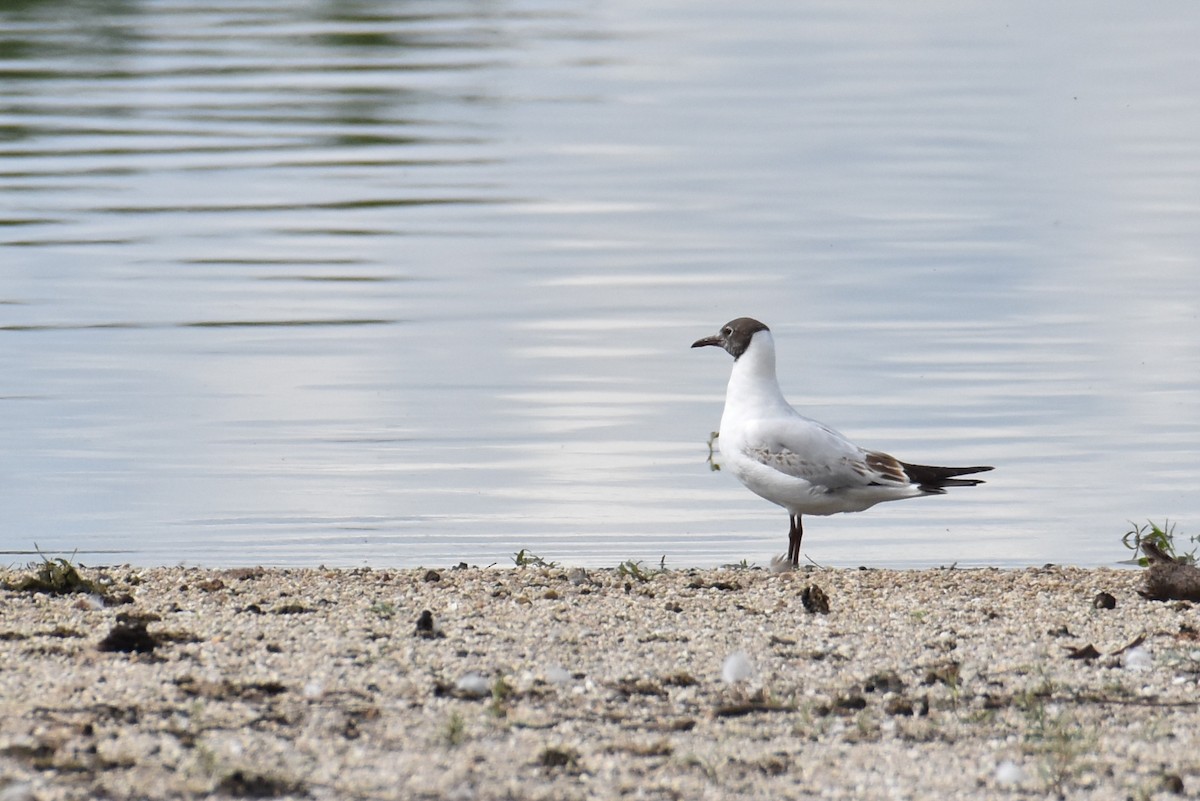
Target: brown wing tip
<point>888,466</point>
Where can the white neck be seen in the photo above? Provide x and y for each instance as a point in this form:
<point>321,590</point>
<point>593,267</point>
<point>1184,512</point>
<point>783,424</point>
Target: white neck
<point>752,384</point>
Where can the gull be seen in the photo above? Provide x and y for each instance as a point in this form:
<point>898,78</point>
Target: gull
<point>796,462</point>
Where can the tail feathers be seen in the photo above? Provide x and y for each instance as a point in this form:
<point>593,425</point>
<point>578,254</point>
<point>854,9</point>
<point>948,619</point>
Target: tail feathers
<point>934,480</point>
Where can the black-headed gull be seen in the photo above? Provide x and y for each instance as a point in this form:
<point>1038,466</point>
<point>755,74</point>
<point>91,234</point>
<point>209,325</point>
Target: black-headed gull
<point>802,465</point>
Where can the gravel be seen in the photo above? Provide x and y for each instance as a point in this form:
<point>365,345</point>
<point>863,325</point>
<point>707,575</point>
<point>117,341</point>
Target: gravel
<point>548,683</point>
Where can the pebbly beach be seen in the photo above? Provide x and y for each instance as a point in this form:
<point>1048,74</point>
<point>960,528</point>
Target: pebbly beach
<point>547,682</point>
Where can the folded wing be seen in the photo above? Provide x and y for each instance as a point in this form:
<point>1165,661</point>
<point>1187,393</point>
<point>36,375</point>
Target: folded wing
<point>807,450</point>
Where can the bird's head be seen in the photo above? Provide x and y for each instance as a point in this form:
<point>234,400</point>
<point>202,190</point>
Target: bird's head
<point>735,336</point>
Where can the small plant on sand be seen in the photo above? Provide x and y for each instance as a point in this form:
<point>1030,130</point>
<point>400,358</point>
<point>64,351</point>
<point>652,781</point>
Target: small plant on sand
<point>454,733</point>
<point>501,691</point>
<point>1060,742</point>
<point>1032,700</point>
<point>206,760</point>
<point>526,558</point>
<point>56,577</point>
<point>705,766</point>
<point>1161,537</point>
<point>635,570</point>
<point>1054,736</point>
<point>385,610</point>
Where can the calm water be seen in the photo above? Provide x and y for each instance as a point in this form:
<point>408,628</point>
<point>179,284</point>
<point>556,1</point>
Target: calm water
<point>413,283</point>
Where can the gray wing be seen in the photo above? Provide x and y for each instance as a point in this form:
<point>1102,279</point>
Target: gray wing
<point>815,453</point>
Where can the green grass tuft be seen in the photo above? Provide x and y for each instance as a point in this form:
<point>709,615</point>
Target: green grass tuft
<point>56,577</point>
<point>526,558</point>
<point>1163,537</point>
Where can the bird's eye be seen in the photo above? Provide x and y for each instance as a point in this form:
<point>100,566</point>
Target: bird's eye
<point>726,331</point>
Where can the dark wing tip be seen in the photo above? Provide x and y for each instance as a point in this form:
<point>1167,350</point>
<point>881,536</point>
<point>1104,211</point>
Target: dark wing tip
<point>935,479</point>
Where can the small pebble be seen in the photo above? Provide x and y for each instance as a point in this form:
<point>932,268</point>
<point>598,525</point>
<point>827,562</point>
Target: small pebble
<point>1138,658</point>
<point>93,602</point>
<point>815,600</point>
<point>557,674</point>
<point>850,703</point>
<point>129,638</point>
<point>1104,600</point>
<point>426,627</point>
<point>1009,773</point>
<point>18,791</point>
<point>887,682</point>
<point>473,685</point>
<point>737,667</point>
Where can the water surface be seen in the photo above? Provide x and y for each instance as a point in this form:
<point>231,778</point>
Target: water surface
<point>414,283</point>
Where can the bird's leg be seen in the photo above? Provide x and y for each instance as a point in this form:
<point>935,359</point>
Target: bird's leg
<point>794,536</point>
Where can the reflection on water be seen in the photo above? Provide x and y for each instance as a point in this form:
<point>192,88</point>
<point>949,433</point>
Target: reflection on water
<point>414,283</point>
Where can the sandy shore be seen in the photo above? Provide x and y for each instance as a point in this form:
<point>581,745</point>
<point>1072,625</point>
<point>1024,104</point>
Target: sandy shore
<point>548,683</point>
